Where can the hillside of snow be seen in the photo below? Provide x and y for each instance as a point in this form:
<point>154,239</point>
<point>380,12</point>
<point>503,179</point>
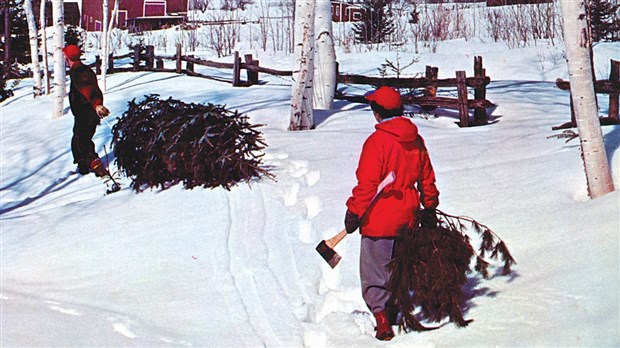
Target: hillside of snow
<point>218,268</point>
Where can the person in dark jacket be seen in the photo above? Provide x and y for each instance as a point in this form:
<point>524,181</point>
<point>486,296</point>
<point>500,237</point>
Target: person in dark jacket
<point>86,101</point>
<point>395,146</point>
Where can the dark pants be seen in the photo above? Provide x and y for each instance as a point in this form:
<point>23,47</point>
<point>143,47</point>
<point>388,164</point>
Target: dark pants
<point>375,254</point>
<point>82,145</point>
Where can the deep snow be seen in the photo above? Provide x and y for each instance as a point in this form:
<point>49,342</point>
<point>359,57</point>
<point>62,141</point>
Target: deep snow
<point>210,267</point>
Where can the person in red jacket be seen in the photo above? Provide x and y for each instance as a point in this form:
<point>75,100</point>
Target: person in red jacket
<point>395,146</point>
<point>86,101</point>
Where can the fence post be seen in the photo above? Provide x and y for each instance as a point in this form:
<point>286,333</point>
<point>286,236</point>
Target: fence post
<point>178,57</point>
<point>430,90</point>
<point>150,57</point>
<point>97,65</point>
<point>337,78</point>
<point>136,58</point>
<point>110,64</point>
<point>252,75</point>
<point>236,82</point>
<point>160,64</point>
<point>190,66</point>
<point>614,99</point>
<point>461,88</point>
<point>480,93</point>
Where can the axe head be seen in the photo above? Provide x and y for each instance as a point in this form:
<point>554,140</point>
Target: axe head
<point>329,254</point>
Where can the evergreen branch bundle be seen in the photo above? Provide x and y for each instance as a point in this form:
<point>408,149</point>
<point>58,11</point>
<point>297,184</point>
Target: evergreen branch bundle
<point>163,142</point>
<point>430,267</point>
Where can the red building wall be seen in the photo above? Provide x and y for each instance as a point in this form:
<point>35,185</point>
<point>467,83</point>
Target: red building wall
<point>92,13</point>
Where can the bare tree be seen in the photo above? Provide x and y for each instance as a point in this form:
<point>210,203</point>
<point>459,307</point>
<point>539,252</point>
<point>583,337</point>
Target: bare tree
<point>46,71</point>
<point>34,48</point>
<point>577,43</point>
<point>325,58</point>
<point>59,59</point>
<point>301,101</point>
<point>108,25</point>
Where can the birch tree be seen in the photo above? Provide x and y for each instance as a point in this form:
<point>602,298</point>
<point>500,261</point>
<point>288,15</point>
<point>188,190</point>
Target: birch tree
<point>59,59</point>
<point>34,48</point>
<point>104,45</point>
<point>324,84</point>
<point>106,37</point>
<point>302,95</point>
<point>578,42</point>
<point>46,72</point>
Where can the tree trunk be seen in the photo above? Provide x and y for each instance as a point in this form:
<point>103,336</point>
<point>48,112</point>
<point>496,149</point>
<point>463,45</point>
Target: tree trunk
<point>578,42</point>
<point>34,48</point>
<point>46,71</point>
<point>59,59</point>
<point>7,34</point>
<point>325,58</point>
<point>104,46</point>
<point>301,103</point>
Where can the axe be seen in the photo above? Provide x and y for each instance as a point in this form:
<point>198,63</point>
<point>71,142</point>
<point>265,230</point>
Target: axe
<point>326,247</point>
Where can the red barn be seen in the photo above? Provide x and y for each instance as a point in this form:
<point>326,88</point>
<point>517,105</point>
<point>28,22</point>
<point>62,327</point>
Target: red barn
<point>139,14</point>
<point>346,12</point>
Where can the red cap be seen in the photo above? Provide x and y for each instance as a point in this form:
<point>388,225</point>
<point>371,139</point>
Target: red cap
<point>387,97</point>
<point>72,52</point>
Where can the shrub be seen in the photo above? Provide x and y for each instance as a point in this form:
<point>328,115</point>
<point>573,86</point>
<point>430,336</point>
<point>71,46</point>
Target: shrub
<point>163,142</point>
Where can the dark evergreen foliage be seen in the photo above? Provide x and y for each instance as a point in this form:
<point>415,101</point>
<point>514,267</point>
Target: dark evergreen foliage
<point>20,44</point>
<point>74,36</point>
<point>605,20</point>
<point>162,142</point>
<point>5,92</point>
<point>431,264</point>
<point>376,25</point>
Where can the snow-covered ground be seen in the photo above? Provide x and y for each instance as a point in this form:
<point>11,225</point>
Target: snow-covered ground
<point>217,268</point>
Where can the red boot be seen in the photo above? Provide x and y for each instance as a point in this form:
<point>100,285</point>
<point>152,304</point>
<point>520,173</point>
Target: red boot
<point>384,329</point>
<point>97,167</point>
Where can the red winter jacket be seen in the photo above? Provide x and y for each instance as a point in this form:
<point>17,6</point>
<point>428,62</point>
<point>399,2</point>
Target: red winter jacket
<point>84,93</point>
<point>394,146</point>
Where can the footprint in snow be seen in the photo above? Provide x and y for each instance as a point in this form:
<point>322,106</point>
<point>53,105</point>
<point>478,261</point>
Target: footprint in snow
<point>55,306</point>
<point>121,326</point>
<point>306,234</point>
<point>312,177</point>
<point>299,168</point>
<point>313,206</point>
<point>290,196</point>
<point>123,330</point>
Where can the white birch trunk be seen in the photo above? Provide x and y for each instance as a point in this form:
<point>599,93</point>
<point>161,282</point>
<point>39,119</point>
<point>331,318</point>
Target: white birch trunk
<point>104,46</point>
<point>46,70</point>
<point>34,48</point>
<point>301,101</point>
<point>577,42</point>
<point>324,85</point>
<point>59,59</point>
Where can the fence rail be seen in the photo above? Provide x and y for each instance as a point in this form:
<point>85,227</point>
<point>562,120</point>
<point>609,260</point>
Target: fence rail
<point>144,59</point>
<point>610,86</point>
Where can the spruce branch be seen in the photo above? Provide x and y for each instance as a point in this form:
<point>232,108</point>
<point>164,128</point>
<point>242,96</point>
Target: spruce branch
<point>430,267</point>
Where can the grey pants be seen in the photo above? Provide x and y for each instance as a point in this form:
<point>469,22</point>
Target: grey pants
<point>375,254</point>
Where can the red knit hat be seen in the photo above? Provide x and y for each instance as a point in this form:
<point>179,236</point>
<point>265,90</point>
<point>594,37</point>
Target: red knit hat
<point>387,97</point>
<point>72,52</point>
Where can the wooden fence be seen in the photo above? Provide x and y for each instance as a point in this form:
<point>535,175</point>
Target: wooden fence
<point>431,83</point>
<point>611,87</point>
<point>144,59</point>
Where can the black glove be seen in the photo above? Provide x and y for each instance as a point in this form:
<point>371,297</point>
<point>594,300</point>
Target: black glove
<point>351,222</point>
<point>428,218</point>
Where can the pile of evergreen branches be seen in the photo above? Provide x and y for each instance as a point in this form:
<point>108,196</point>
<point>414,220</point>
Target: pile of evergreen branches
<point>430,266</point>
<point>162,142</point>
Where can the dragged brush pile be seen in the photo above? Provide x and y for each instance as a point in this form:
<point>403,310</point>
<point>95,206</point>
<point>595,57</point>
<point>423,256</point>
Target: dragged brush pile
<point>431,265</point>
<point>159,143</point>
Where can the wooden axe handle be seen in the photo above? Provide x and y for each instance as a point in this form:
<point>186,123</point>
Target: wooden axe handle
<point>333,241</point>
